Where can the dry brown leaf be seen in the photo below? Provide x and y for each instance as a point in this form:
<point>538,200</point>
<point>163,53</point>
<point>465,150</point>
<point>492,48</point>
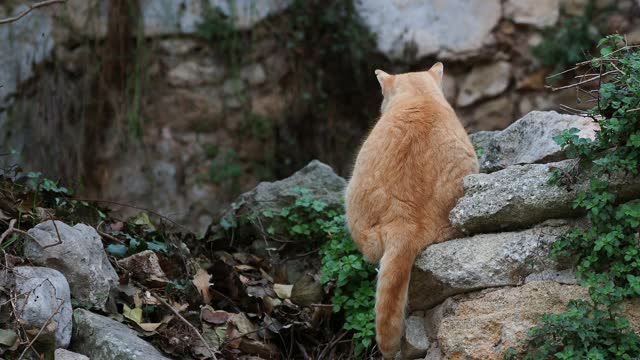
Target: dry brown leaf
<point>243,267</point>
<point>150,326</point>
<point>201,282</point>
<point>214,316</point>
<point>283,291</point>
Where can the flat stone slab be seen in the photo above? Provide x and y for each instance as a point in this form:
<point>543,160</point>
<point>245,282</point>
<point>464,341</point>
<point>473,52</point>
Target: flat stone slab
<point>528,140</point>
<point>486,261</point>
<point>521,195</point>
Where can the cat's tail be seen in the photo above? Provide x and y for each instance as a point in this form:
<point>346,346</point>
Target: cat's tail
<point>391,298</point>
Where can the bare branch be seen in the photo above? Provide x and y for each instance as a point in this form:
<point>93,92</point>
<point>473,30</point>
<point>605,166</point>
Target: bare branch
<point>29,9</point>
<point>595,77</point>
<point>12,229</point>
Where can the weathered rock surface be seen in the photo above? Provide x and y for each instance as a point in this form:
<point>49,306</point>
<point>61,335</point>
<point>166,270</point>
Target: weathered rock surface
<point>520,196</point>
<point>171,17</point>
<point>80,257</point>
<point>484,325</point>
<point>62,354</point>
<point>101,338</point>
<point>317,177</point>
<point>424,27</point>
<point>540,13</point>
<point>144,266</point>
<point>24,43</point>
<point>416,342</point>
<point>45,300</point>
<point>483,261</point>
<point>483,82</point>
<point>194,73</point>
<point>529,140</point>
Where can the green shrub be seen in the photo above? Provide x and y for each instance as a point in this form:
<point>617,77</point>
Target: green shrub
<point>343,265</point>
<point>608,263</point>
<point>569,43</point>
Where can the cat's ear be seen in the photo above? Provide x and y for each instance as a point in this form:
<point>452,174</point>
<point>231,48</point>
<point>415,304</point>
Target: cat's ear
<point>437,71</point>
<point>384,79</point>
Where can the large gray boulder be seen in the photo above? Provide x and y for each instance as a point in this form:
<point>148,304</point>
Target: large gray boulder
<point>528,140</point>
<point>80,257</point>
<point>101,338</point>
<point>316,177</point>
<point>424,27</point>
<point>521,195</point>
<point>44,300</point>
<point>485,261</point>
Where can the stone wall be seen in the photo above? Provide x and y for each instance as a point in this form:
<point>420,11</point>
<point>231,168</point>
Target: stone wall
<point>476,297</point>
<point>203,130</point>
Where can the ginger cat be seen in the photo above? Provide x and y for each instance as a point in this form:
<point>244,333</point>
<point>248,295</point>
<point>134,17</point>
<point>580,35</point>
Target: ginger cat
<point>407,178</point>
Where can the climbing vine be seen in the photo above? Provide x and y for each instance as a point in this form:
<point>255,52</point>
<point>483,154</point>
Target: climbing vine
<point>607,251</point>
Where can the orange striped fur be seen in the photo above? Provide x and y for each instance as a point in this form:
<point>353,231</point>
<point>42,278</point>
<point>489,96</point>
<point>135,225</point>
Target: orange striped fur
<point>407,178</point>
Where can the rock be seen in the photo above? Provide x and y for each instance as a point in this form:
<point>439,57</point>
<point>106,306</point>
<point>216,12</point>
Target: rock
<point>521,195</point>
<point>541,13</point>
<point>483,82</point>
<point>316,177</point>
<point>46,300</point>
<point>62,354</point>
<point>415,343</point>
<point>233,86</point>
<point>254,74</point>
<point>483,261</point>
<point>528,140</point>
<point>80,257</point>
<point>178,46</point>
<point>532,81</point>
<point>194,73</point>
<point>24,43</point>
<point>494,114</point>
<point>484,325</point>
<point>186,110</point>
<point>424,27</point>
<point>170,17</point>
<point>144,266</point>
<point>449,87</point>
<point>566,276</point>
<point>101,338</point>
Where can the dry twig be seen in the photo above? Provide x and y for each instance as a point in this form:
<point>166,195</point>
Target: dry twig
<point>137,208</point>
<point>41,329</point>
<point>29,9</point>
<point>190,325</point>
<point>12,229</point>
